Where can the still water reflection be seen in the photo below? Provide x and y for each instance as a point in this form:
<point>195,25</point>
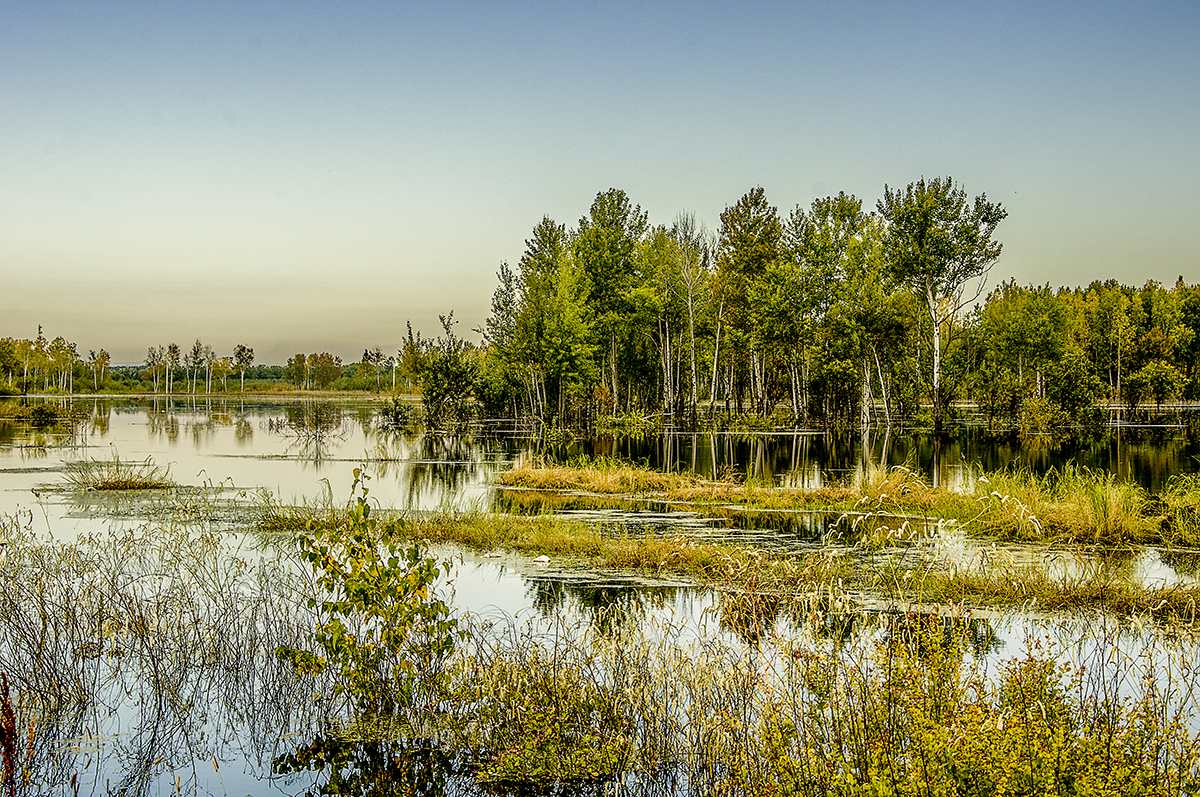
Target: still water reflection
<point>300,449</point>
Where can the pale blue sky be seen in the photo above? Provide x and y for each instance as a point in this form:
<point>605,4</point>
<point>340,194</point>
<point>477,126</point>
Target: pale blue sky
<point>305,176</point>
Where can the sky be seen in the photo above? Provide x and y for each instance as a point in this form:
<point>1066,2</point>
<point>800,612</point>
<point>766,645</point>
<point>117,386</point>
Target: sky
<point>299,176</point>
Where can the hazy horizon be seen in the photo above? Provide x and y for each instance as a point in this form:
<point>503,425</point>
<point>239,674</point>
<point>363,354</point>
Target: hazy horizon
<point>300,177</point>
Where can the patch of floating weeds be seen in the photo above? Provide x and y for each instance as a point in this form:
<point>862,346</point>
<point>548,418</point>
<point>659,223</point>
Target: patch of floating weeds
<point>1067,505</point>
<point>118,474</point>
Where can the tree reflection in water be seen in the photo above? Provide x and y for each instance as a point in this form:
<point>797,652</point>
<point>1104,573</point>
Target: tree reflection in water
<point>312,425</point>
<point>606,606</point>
<point>375,768</point>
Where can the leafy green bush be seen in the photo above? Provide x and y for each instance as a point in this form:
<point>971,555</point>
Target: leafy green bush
<point>448,380</point>
<point>399,415</point>
<point>382,631</point>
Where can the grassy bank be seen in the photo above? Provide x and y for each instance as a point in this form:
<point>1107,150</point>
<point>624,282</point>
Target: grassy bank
<point>1069,505</point>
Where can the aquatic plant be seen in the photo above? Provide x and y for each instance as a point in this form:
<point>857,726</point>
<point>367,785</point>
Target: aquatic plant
<point>600,475</point>
<point>399,415</point>
<point>1067,505</point>
<point>905,704</point>
<point>172,622</point>
<point>1180,502</point>
<point>118,474</point>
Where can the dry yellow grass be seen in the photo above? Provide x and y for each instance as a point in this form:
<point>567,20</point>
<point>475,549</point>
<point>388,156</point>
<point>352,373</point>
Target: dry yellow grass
<point>1069,505</point>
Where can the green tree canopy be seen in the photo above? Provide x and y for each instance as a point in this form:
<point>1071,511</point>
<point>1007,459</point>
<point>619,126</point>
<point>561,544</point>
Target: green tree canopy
<point>938,243</point>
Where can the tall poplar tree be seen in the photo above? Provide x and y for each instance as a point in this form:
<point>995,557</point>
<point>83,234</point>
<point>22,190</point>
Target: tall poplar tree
<point>749,243</point>
<point>937,244</point>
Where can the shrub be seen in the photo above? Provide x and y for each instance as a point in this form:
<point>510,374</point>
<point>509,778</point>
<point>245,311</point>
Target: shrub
<point>382,630</point>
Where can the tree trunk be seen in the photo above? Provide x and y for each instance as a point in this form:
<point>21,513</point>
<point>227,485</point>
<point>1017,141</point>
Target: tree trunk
<point>864,417</point>
<point>692,337</point>
<point>936,370</point>
<point>887,411</point>
<point>712,393</point>
<point>612,361</point>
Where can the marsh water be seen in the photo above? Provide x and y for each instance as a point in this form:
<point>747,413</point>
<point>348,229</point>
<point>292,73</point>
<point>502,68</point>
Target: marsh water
<point>298,448</point>
<point>304,451</point>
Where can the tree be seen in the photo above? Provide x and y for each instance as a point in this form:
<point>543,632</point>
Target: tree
<point>749,243</point>
<point>373,360</point>
<point>937,244</point>
<point>325,369</point>
<point>831,282</point>
<point>99,365</point>
<point>243,357</point>
<point>297,370</point>
<point>695,250</point>
<point>192,362</point>
<point>1157,380</point>
<point>210,359</point>
<point>448,379</point>
<point>62,360</point>
<point>526,310</point>
<point>156,357</point>
<point>606,248</point>
<point>411,358</point>
<point>172,364</point>
<point>222,367</point>
<point>8,358</point>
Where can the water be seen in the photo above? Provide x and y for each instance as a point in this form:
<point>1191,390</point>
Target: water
<point>293,450</point>
<point>1146,455</point>
<point>200,739</point>
<point>298,449</point>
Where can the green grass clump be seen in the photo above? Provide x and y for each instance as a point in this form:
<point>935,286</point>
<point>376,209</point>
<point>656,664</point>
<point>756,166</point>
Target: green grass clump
<point>321,513</point>
<point>1180,502</point>
<point>1070,504</point>
<point>118,474</point>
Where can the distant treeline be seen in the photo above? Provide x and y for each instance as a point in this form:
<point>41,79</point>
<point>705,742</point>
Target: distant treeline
<point>829,315</point>
<point>55,366</point>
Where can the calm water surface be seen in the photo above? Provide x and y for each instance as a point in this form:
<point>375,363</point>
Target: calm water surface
<point>301,450</point>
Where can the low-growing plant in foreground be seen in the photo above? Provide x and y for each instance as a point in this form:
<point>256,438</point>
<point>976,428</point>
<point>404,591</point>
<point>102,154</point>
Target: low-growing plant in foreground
<point>381,629</point>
